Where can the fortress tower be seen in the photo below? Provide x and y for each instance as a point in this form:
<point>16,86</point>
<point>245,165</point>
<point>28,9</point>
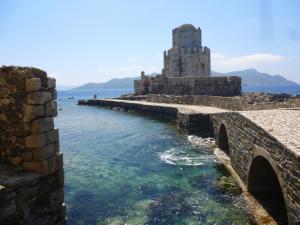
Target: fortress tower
<point>187,70</point>
<point>187,57</point>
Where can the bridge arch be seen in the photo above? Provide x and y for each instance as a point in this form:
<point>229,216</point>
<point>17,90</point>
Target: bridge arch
<point>265,184</point>
<point>223,139</point>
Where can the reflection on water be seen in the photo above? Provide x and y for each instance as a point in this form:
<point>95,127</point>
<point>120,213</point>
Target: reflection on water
<point>124,168</point>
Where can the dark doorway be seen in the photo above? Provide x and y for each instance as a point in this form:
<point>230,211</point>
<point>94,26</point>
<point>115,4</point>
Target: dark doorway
<point>223,139</point>
<point>265,187</point>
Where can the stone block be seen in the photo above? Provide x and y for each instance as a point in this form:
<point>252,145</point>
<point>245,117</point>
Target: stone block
<point>53,105</point>
<point>5,102</point>
<point>6,92</point>
<point>51,82</point>
<point>51,108</point>
<point>41,154</point>
<point>3,82</point>
<point>55,163</point>
<point>39,97</point>
<point>33,84</point>
<point>30,177</point>
<point>52,136</point>
<point>16,161</point>
<point>56,198</point>
<point>12,181</point>
<point>31,112</point>
<point>3,117</point>
<point>60,177</point>
<point>27,156</point>
<point>40,167</point>
<point>35,141</point>
<point>56,147</point>
<point>54,94</point>
<point>8,211</point>
<point>42,125</point>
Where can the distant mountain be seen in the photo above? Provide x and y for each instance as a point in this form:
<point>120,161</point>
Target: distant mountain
<point>251,78</point>
<point>64,87</point>
<point>116,83</point>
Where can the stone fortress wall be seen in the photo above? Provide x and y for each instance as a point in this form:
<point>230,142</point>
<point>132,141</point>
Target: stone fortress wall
<point>215,86</point>
<point>31,164</point>
<point>251,101</point>
<point>187,57</point>
<point>187,70</point>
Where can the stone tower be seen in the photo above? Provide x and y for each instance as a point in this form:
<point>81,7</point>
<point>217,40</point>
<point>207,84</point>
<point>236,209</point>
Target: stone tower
<point>187,57</point>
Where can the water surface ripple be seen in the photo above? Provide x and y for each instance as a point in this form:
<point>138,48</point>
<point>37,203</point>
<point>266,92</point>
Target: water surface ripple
<point>126,168</point>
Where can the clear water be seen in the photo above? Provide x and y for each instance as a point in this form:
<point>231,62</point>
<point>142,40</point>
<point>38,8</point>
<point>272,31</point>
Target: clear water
<point>127,168</point>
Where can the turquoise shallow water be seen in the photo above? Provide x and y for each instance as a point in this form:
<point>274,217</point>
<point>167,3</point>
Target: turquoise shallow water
<point>128,168</point>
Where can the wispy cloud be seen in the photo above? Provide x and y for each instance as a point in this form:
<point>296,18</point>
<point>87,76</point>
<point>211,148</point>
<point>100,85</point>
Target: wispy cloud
<point>131,69</point>
<point>158,57</point>
<point>53,74</point>
<point>102,69</point>
<point>222,62</point>
<point>132,59</point>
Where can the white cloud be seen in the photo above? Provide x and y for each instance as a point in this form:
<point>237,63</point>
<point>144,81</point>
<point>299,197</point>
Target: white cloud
<point>53,74</point>
<point>131,69</point>
<point>152,69</point>
<point>102,69</point>
<point>261,61</point>
<point>158,57</point>
<point>132,59</point>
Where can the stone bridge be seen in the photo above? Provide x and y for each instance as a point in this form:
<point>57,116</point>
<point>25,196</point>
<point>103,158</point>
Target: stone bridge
<point>263,146</point>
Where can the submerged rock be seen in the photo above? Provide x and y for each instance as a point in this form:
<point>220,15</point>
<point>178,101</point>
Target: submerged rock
<point>168,209</point>
<point>228,184</point>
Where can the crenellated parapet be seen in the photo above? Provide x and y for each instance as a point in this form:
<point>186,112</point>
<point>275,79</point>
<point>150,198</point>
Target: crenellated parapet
<point>187,57</point>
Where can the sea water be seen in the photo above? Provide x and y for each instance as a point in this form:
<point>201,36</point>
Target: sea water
<point>130,168</point>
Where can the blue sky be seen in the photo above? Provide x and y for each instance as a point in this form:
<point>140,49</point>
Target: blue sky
<point>92,41</point>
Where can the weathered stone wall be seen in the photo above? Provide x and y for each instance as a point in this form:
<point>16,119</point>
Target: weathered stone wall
<point>245,139</point>
<point>187,57</point>
<point>215,86</point>
<point>168,111</point>
<point>29,149</point>
<point>181,62</point>
<point>186,36</point>
<point>236,103</point>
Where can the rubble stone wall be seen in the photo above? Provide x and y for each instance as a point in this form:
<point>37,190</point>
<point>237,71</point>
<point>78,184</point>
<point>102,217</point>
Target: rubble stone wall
<point>215,86</point>
<point>31,174</point>
<point>236,103</point>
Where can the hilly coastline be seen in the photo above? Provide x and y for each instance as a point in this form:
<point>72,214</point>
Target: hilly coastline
<point>252,80</point>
